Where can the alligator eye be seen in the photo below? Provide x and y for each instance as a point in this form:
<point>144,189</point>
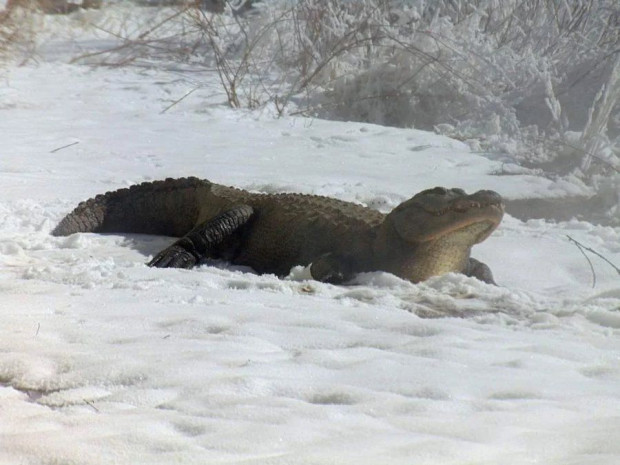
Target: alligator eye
<point>438,191</point>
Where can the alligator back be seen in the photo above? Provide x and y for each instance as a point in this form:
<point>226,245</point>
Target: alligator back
<point>295,229</point>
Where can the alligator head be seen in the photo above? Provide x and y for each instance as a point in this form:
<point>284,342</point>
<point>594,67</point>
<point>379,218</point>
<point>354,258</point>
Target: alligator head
<point>433,213</point>
<point>436,229</point>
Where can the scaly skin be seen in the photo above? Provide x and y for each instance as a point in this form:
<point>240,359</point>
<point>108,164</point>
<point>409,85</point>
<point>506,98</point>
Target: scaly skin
<point>427,235</point>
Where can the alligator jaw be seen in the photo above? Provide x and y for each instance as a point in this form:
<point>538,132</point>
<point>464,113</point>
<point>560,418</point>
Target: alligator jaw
<point>449,252</point>
<point>462,219</point>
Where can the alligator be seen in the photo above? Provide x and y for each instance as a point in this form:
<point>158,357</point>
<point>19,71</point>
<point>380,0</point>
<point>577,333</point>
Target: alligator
<point>430,234</point>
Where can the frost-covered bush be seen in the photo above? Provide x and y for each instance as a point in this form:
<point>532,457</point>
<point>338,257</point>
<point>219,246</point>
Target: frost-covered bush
<point>15,31</point>
<point>537,79</point>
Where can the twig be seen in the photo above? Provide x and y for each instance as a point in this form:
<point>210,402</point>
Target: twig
<point>64,147</point>
<point>187,94</point>
<point>131,42</point>
<point>90,404</point>
<point>582,248</point>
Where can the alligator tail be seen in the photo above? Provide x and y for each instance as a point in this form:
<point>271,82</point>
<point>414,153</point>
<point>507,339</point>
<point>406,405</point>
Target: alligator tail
<point>169,208</point>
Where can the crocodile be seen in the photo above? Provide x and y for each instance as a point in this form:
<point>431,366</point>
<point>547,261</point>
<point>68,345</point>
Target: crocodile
<point>430,234</point>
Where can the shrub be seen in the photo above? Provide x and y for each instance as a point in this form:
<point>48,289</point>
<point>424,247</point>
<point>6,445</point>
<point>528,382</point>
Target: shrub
<point>520,76</point>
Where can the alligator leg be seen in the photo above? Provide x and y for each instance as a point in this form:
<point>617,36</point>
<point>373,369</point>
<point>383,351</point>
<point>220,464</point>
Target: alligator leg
<point>477,269</point>
<point>333,269</point>
<point>202,240</point>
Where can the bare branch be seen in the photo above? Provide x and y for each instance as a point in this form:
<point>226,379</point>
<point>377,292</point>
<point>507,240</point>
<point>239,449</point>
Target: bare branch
<point>589,249</point>
<point>580,247</point>
<point>64,147</point>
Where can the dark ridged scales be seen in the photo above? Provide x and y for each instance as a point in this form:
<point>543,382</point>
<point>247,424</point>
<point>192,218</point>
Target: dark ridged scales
<point>294,229</point>
<point>167,208</point>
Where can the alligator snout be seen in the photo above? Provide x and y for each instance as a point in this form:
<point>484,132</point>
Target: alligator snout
<point>476,200</point>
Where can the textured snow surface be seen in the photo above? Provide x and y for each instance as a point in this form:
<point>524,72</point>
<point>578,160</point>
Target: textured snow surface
<point>103,360</point>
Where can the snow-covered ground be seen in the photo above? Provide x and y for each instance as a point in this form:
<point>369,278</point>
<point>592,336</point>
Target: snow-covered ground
<point>104,360</point>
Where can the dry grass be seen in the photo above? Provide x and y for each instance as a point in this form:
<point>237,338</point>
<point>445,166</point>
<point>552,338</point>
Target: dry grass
<point>8,34</point>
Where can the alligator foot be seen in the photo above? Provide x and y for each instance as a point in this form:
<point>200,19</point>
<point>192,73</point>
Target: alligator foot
<point>477,269</point>
<point>174,256</point>
<point>331,269</point>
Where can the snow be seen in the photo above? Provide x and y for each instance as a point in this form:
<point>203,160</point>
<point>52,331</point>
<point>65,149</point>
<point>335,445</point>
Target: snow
<point>104,360</point>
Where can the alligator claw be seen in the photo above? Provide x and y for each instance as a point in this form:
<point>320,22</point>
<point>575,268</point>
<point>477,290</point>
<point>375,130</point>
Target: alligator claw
<point>174,256</point>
